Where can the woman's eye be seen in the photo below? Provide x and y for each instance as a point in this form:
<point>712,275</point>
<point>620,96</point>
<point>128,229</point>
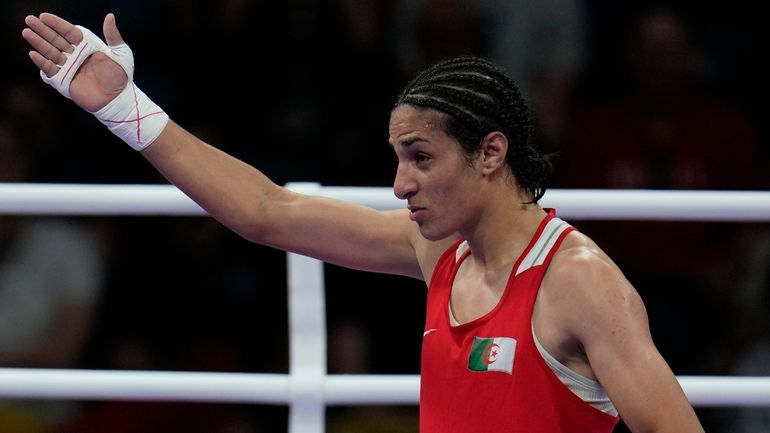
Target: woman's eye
<point>421,157</point>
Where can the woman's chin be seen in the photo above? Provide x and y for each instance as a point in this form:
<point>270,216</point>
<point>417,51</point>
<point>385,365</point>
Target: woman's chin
<point>432,234</point>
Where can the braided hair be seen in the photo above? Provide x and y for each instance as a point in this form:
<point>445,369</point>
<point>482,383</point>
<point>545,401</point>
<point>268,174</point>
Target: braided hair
<point>477,98</point>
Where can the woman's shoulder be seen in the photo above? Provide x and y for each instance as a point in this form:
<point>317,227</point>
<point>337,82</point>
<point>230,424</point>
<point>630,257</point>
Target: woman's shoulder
<point>580,264</point>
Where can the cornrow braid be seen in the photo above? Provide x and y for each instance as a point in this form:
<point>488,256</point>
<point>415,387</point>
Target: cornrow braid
<point>478,98</point>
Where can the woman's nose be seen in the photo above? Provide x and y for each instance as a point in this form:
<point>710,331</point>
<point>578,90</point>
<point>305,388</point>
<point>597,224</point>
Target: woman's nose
<point>404,185</point>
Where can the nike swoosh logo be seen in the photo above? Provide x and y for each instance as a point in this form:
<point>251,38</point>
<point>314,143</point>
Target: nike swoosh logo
<point>428,331</point>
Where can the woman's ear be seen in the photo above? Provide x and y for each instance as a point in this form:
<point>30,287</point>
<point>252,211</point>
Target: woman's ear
<point>494,147</point>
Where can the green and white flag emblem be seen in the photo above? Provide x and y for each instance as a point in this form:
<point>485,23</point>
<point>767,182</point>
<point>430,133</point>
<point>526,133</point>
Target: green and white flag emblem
<point>492,354</point>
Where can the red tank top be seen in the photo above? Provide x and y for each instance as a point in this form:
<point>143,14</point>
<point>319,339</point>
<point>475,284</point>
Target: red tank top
<point>487,375</point>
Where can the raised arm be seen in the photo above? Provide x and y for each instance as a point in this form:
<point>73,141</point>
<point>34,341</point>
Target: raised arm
<point>246,201</point>
<point>99,78</point>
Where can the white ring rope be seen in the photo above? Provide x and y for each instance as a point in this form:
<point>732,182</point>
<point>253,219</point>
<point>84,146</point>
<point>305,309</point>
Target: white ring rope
<point>81,199</point>
<point>307,389</point>
<point>262,388</point>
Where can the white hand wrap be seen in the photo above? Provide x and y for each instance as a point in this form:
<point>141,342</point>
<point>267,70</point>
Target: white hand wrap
<point>132,116</point>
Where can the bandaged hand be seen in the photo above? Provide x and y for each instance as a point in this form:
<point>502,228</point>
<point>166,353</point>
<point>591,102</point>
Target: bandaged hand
<point>98,76</point>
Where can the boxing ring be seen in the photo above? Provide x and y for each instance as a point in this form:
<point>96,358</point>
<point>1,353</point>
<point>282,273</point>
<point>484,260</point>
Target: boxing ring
<point>307,389</point>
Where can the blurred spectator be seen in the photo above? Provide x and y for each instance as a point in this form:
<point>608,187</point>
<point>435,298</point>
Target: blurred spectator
<point>51,272</point>
<point>172,312</point>
<point>751,355</point>
<point>662,128</point>
<point>349,353</point>
<point>356,90</point>
<point>430,30</point>
<point>542,45</point>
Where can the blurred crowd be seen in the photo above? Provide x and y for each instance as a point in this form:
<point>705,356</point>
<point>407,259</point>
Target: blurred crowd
<point>641,95</point>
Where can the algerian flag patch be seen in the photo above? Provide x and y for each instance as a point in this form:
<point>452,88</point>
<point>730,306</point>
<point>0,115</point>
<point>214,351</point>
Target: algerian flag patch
<point>492,354</point>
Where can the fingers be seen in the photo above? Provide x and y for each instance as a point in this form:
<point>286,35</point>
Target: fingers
<point>61,26</point>
<point>51,37</point>
<point>44,48</point>
<point>111,33</point>
<point>48,67</point>
<point>48,34</point>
